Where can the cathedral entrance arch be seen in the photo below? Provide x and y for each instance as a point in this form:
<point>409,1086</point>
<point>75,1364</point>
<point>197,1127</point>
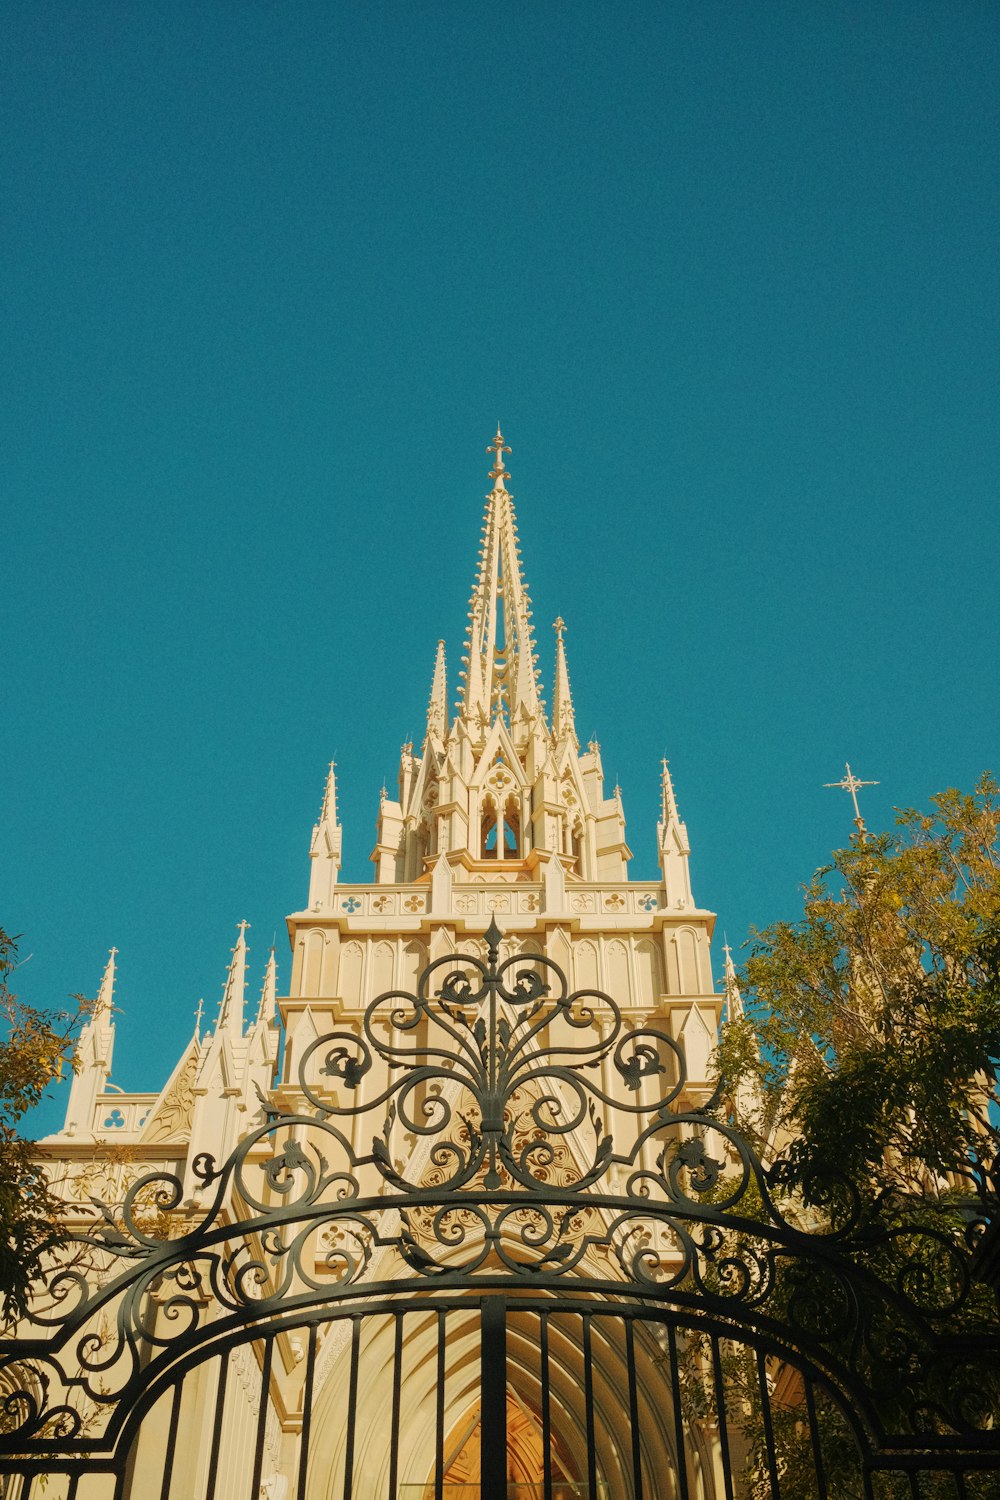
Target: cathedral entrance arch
<point>487,1248</point>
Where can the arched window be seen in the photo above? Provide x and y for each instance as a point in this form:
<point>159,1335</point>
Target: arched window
<point>511,829</point>
<point>488,825</point>
<point>576,846</point>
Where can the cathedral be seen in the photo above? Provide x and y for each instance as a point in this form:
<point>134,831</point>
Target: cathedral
<point>501,814</point>
<point>500,821</point>
<point>460,1212</point>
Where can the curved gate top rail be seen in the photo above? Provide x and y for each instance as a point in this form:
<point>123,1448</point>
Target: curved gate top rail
<point>494,1131</point>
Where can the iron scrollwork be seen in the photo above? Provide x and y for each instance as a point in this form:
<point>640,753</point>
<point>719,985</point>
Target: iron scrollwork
<point>494,1129</point>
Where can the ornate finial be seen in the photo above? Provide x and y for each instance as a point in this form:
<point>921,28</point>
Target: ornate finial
<point>493,936</point>
<point>851,783</point>
<point>243,928</point>
<point>498,448</point>
<point>197,1018</point>
<point>559,626</point>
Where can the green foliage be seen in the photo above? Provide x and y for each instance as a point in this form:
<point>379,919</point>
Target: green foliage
<point>865,1072</point>
<point>35,1047</point>
<point>873,1033</point>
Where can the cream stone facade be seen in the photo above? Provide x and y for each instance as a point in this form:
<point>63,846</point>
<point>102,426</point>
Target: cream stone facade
<point>500,816</point>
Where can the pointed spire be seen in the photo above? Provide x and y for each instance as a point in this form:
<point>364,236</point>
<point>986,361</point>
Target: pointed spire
<point>734,1000</point>
<point>325,846</point>
<point>94,1050</point>
<point>234,989</point>
<point>328,812</point>
<point>563,721</point>
<point>104,1004</point>
<point>437,709</point>
<point>668,802</point>
<point>500,673</point>
<point>199,1013</point>
<point>748,1098</point>
<point>674,848</point>
<point>269,990</point>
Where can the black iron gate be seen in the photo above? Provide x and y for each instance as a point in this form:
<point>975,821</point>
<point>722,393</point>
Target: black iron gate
<point>496,1295</point>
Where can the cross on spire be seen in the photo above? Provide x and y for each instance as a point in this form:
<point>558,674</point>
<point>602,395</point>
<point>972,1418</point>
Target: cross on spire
<point>851,783</point>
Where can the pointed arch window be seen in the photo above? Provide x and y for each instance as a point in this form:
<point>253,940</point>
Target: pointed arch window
<point>511,829</point>
<point>501,830</point>
<point>576,846</point>
<point>488,826</point>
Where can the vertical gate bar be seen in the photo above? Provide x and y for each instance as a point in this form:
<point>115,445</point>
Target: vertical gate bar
<point>821,1489</point>
<point>119,1482</point>
<point>307,1401</point>
<point>220,1402</point>
<point>397,1376</point>
<point>71,1488</point>
<point>765,1405</point>
<point>168,1457</point>
<point>963,1493</point>
<point>723,1418</point>
<point>914,1485</point>
<point>633,1410</point>
<point>546,1407</point>
<point>675,1391</point>
<point>439,1415</point>
<point>352,1408</point>
<point>588,1385</point>
<point>265,1391</point>
<point>493,1390</point>
<point>866,1475</point>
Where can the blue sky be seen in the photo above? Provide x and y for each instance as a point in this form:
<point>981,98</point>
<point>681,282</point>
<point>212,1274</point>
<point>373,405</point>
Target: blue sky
<point>726,274</point>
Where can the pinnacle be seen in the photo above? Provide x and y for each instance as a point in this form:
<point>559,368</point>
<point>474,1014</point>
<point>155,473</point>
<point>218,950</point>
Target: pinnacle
<point>437,708</point>
<point>499,680</point>
<point>234,989</point>
<point>563,719</point>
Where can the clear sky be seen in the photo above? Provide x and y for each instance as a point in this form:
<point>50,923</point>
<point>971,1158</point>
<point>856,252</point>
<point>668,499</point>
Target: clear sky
<point>727,275</point>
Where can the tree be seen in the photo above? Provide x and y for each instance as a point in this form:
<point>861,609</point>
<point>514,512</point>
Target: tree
<point>36,1046</point>
<point>864,1069</point>
<point>871,1039</point>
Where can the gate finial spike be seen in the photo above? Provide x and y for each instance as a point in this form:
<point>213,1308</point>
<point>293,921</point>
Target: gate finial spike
<point>493,936</point>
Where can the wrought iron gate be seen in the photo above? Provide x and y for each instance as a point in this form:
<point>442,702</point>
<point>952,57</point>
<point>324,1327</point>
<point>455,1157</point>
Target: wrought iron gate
<point>496,1294</point>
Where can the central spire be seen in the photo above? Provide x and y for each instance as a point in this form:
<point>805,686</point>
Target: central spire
<point>501,678</point>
